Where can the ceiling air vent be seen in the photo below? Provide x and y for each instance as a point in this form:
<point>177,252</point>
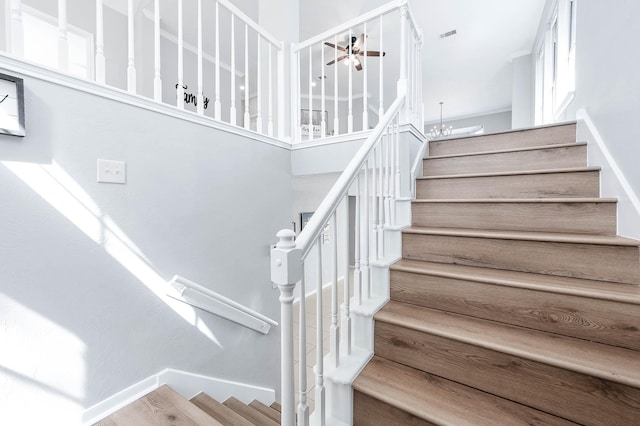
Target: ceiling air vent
<point>448,34</point>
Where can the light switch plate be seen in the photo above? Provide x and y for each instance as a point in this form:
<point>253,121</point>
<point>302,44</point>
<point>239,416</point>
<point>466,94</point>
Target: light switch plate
<point>110,171</point>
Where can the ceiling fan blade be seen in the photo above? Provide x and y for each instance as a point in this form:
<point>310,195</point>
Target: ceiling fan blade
<point>335,47</point>
<point>372,53</point>
<point>340,58</point>
<point>359,44</point>
<point>357,63</point>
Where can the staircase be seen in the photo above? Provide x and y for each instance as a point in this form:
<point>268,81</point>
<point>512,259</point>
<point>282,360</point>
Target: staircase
<point>514,302</point>
<point>164,406</point>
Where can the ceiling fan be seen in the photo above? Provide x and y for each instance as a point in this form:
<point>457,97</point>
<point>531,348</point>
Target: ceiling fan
<point>352,51</point>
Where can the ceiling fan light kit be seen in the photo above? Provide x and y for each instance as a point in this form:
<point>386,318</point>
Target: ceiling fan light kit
<point>352,52</point>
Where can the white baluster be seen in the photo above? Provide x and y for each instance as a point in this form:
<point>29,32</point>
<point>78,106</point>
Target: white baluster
<point>336,121</point>
<point>17,33</point>
<point>392,172</point>
<point>373,230</point>
<point>270,97</point>
<point>380,241</point>
<point>298,96</point>
<point>350,65</point>
<point>232,109</point>
<point>346,313</point>
<point>334,330</point>
<point>157,80</point>
<point>319,369</point>
<point>217,105</point>
<point>396,131</point>
<point>281,95</point>
<point>247,115</point>
<point>381,77</point>
<point>200,95</point>
<point>100,59</point>
<point>303,408</point>
<point>365,240</point>
<point>259,91</point>
<point>131,65</point>
<point>180,88</point>
<point>402,82</point>
<point>310,94</point>
<point>357,273</point>
<point>387,175</point>
<point>323,132</point>
<point>365,70</point>
<point>63,44</point>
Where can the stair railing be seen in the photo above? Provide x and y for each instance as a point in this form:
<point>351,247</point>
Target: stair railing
<point>238,82</point>
<point>320,256</point>
<point>329,89</point>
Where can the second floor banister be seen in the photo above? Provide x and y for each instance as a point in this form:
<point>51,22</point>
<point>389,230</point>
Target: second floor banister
<point>375,179</point>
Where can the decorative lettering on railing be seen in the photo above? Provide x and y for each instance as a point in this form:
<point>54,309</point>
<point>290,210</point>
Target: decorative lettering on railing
<point>190,98</point>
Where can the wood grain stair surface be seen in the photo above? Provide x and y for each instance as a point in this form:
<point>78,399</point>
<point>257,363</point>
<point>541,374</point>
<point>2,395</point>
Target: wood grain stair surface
<point>554,183</point>
<point>249,413</point>
<point>568,215</point>
<point>163,406</point>
<point>549,135</point>
<point>439,401</point>
<point>276,406</point>
<point>266,410</point>
<point>585,382</point>
<point>531,158</point>
<point>219,411</point>
<point>595,257</point>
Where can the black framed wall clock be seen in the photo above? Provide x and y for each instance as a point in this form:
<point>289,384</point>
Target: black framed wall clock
<point>11,105</point>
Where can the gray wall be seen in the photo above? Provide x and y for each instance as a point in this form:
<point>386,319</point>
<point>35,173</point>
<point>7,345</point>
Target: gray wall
<point>495,122</point>
<point>199,202</point>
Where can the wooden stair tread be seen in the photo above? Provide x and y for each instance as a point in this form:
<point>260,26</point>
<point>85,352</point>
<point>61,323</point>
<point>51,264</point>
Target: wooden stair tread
<point>249,413</point>
<point>517,200</point>
<point>266,410</point>
<point>442,401</point>
<point>526,236</point>
<point>276,406</point>
<point>219,411</point>
<point>504,151</point>
<point>598,360</point>
<point>163,406</point>
<point>513,173</point>
<point>511,131</point>
<point>617,292</point>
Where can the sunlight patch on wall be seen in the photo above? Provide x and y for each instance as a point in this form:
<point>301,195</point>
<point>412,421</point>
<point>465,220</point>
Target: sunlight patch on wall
<point>63,193</point>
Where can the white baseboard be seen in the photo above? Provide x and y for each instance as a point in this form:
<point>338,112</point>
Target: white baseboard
<point>612,181</point>
<point>186,384</point>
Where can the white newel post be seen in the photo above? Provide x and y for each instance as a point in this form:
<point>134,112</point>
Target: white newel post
<point>63,45</point>
<point>286,271</point>
<point>17,36</point>
<point>131,63</point>
<point>100,59</point>
<point>157,80</point>
<point>402,82</point>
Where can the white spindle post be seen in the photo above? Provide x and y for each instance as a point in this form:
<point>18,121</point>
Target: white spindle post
<point>336,121</point>
<point>366,276</point>
<point>319,369</point>
<point>200,95</point>
<point>157,80</point>
<point>270,97</point>
<point>357,273</point>
<point>380,241</point>
<point>281,95</point>
<point>334,330</point>
<point>100,59</point>
<point>396,131</point>
<point>232,109</point>
<point>387,174</point>
<point>298,96</point>
<point>373,229</point>
<point>217,105</point>
<point>392,173</point>
<point>381,77</point>
<point>17,32</point>
<point>286,271</point>
<point>350,65</point>
<point>180,88</point>
<point>323,123</point>
<point>131,65</point>
<point>303,408</point>
<point>63,44</point>
<point>346,313</point>
<point>259,90</point>
<point>310,94</point>
<point>365,70</point>
<point>402,82</point>
<point>247,115</point>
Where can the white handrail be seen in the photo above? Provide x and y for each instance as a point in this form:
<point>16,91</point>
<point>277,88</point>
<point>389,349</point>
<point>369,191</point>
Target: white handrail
<point>330,203</point>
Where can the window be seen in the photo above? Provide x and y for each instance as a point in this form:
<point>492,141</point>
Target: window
<point>41,43</point>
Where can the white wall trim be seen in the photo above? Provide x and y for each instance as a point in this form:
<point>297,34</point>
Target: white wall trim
<point>186,384</point>
<point>11,64</point>
<point>568,98</point>
<point>612,181</point>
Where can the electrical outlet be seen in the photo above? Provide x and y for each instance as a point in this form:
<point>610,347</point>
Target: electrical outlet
<point>110,171</point>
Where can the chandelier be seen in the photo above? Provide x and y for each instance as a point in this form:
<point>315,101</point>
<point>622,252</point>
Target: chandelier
<point>442,130</point>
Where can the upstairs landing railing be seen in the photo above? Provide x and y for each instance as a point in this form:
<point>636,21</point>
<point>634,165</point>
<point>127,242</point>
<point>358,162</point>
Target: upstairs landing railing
<point>238,65</point>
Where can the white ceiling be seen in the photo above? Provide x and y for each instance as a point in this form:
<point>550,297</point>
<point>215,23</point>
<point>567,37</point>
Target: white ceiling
<point>471,71</point>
